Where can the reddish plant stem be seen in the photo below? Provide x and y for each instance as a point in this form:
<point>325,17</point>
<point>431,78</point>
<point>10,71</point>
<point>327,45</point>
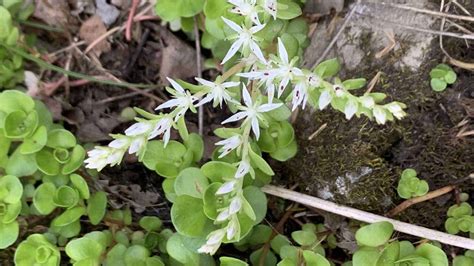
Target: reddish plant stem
<point>128,26</point>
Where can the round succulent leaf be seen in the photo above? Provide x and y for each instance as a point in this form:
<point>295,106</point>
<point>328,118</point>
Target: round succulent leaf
<point>438,84</point>
<point>169,10</point>
<point>286,134</point>
<point>291,44</point>
<point>66,196</point>
<point>44,115</point>
<point>136,255</point>
<point>46,163</point>
<point>115,256</point>
<point>168,188</point>
<point>176,248</point>
<point>290,252</point>
<point>437,73</point>
<point>463,261</point>
<point>150,223</point>
<point>266,142</point>
<point>260,163</point>
<point>269,260</point>
<point>254,208</point>
<point>365,256</point>
<point>61,155</point>
<point>11,213</point>
<point>281,113</point>
<point>9,233</point>
<point>404,190</point>
<point>287,9</point>
<point>408,173</point>
<point>14,100</point>
<point>75,160</point>
<point>96,207</point>
<point>193,223</point>
<point>216,171</point>
<point>327,68</point>
<point>67,231</point>
<point>260,234</point>
<point>192,182</point>
<point>214,9</point>
<point>389,254</point>
<point>460,210</point>
<point>84,249</point>
<point>354,84</point>
<point>154,261</point>
<point>435,255</point>
<point>43,198</point>
<point>36,142</point>
<point>374,235</point>
<point>61,138</point>
<point>195,143</point>
<point>450,77</point>
<point>451,226</point>
<point>304,238</point>
<point>278,242</point>
<point>228,261</point>
<point>285,153</point>
<point>167,168</point>
<point>154,151</point>
<point>422,188</point>
<point>81,185</point>
<point>11,189</point>
<point>315,259</point>
<point>406,248</point>
<point>68,216</point>
<point>213,202</point>
<point>21,164</point>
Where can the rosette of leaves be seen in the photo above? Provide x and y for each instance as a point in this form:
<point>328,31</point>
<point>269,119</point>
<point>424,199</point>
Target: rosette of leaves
<point>196,205</point>
<point>375,248</point>
<point>61,155</point>
<point>460,219</point>
<point>410,185</point>
<point>11,65</point>
<point>441,76</point>
<point>169,160</point>
<point>464,260</point>
<point>11,191</point>
<point>37,250</point>
<point>70,193</point>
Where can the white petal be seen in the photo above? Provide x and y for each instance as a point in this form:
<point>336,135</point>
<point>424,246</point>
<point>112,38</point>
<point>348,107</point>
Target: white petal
<point>257,52</point>
<point>230,84</point>
<point>136,145</point>
<point>215,237</point>
<point>380,115</point>
<point>235,205</point>
<point>367,101</point>
<point>119,143</point>
<point>232,25</point>
<point>246,96</point>
<point>137,129</point>
<point>166,137</point>
<point>236,117</point>
<point>251,75</point>
<point>257,28</point>
<point>268,107</point>
<point>282,51</point>
<point>231,230</point>
<point>233,50</point>
<point>324,99</point>
<point>255,128</point>
<point>271,92</point>
<point>244,168</point>
<point>168,104</point>
<point>176,85</point>
<point>205,82</point>
<point>284,82</point>
<point>224,215</point>
<point>350,109</point>
<point>205,100</point>
<point>226,187</point>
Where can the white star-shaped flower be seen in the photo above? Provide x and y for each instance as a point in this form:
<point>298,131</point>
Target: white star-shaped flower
<point>246,8</point>
<point>271,7</point>
<point>162,127</point>
<point>300,94</point>
<point>229,145</point>
<point>217,92</point>
<point>245,39</point>
<point>182,101</point>
<point>286,70</point>
<point>265,77</point>
<point>252,112</point>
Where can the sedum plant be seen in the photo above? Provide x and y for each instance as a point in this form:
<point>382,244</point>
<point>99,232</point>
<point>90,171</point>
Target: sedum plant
<point>37,250</point>
<point>441,76</point>
<point>460,219</point>
<point>410,185</point>
<point>376,248</point>
<point>220,201</point>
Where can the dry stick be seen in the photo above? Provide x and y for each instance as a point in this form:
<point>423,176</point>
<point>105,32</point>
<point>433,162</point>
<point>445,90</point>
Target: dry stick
<point>197,43</point>
<point>431,12</point>
<point>128,26</point>
<point>431,195</point>
<point>333,41</point>
<point>368,217</point>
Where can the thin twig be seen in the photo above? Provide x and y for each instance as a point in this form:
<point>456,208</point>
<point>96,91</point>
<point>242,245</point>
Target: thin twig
<point>197,43</point>
<point>119,97</point>
<point>368,217</point>
<point>333,41</point>
<point>128,26</point>
<point>431,12</point>
<point>409,202</point>
<point>321,128</point>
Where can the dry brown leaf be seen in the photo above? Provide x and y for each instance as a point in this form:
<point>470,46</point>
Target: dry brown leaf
<point>91,30</point>
<point>53,12</point>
